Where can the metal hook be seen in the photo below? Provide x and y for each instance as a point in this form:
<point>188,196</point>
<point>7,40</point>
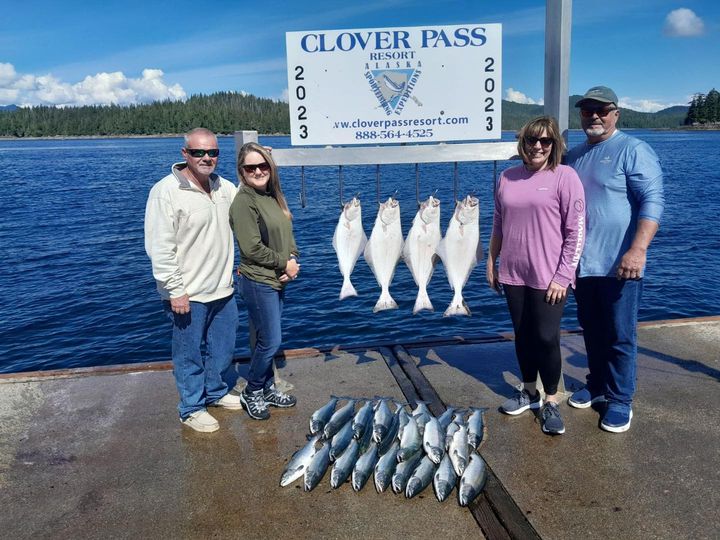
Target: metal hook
<point>377,181</point>
<point>340,180</point>
<point>417,184</point>
<point>455,181</point>
<point>494,178</point>
<point>303,195</point>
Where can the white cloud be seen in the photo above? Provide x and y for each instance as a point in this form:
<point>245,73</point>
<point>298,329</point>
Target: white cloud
<point>7,74</point>
<point>285,96</point>
<point>644,105</point>
<point>683,23</point>
<point>518,97</point>
<point>98,89</point>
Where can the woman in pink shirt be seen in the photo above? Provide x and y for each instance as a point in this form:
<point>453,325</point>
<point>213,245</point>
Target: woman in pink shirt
<point>538,234</point>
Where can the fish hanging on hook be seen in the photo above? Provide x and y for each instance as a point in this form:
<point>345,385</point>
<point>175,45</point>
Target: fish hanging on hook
<point>461,250</point>
<point>383,250</point>
<point>420,249</point>
<point>349,242</point>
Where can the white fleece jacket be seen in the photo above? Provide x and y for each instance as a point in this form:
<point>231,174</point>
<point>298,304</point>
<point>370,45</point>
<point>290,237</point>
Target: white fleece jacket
<point>188,237</point>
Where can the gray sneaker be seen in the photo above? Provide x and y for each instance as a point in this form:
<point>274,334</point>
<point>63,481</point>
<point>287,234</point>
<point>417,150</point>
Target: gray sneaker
<point>276,398</point>
<point>521,402</point>
<point>552,422</point>
<point>254,404</point>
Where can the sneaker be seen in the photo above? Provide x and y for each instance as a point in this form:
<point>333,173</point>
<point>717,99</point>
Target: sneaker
<point>201,421</point>
<point>228,401</point>
<point>552,422</point>
<point>521,402</point>
<point>276,398</point>
<point>582,399</point>
<point>255,404</point>
<point>617,418</point>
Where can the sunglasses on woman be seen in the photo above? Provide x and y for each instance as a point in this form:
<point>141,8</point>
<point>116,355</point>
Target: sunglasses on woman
<point>544,141</point>
<point>250,169</point>
<point>200,152</point>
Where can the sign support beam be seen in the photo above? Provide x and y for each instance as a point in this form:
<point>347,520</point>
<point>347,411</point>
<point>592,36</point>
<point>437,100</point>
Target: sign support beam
<point>558,23</point>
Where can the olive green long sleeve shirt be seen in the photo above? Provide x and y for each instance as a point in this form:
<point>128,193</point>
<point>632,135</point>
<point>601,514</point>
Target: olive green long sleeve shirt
<point>254,214</point>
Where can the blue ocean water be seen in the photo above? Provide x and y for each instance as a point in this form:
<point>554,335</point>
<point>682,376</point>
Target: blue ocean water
<point>77,287</point>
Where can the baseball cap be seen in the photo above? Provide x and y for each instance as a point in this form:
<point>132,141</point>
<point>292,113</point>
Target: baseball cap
<point>603,94</point>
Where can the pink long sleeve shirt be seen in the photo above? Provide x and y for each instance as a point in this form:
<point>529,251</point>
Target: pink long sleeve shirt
<point>540,218</point>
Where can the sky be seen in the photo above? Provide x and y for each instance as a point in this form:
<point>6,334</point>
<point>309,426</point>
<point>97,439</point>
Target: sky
<point>653,53</point>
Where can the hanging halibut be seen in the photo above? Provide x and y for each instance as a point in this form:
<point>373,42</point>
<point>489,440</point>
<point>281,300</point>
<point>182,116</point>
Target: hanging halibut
<point>349,241</point>
<point>383,250</point>
<point>420,249</point>
<point>460,250</point>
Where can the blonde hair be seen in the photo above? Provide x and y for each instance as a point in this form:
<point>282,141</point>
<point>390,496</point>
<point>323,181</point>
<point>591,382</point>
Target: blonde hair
<point>535,128</point>
<point>273,186</point>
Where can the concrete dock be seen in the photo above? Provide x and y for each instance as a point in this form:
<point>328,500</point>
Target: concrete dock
<point>100,453</point>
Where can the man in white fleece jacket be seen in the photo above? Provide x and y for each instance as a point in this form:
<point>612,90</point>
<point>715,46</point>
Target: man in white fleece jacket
<point>190,243</point>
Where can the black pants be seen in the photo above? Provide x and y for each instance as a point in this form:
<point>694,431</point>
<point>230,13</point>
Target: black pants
<point>537,335</point>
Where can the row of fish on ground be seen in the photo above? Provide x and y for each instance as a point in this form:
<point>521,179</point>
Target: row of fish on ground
<point>460,249</point>
<point>404,451</point>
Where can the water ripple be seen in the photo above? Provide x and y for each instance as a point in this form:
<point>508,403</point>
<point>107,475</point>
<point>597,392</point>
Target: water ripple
<point>78,289</point>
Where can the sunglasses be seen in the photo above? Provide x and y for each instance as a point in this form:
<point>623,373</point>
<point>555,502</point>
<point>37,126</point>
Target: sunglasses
<point>250,169</point>
<point>544,141</point>
<point>200,152</point>
<point>602,113</point>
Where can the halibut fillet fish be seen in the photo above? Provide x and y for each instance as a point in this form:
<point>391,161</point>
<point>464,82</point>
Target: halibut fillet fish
<point>349,242</point>
<point>460,251</point>
<point>383,250</point>
<point>420,249</point>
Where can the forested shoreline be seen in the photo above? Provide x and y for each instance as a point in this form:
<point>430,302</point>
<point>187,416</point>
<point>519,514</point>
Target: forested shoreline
<point>226,112</point>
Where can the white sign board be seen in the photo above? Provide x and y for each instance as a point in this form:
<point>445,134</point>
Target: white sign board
<point>392,85</point>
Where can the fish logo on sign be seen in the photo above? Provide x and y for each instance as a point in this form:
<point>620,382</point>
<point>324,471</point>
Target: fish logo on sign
<point>393,87</point>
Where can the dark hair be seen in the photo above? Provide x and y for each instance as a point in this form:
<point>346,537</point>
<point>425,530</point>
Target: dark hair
<point>273,183</point>
<point>535,128</point>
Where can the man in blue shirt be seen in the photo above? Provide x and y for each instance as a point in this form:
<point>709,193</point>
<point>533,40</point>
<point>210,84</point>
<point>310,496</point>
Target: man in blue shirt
<point>624,202</point>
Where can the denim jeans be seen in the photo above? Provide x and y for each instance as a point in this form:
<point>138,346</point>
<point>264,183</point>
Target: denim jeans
<point>607,312</point>
<point>199,373</point>
<point>265,306</point>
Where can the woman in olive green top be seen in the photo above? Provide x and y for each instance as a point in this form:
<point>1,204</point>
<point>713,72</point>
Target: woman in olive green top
<point>262,223</point>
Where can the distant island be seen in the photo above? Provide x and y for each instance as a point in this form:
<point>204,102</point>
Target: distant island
<point>226,112</point>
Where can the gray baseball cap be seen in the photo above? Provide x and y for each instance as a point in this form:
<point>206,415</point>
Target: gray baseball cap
<point>603,94</point>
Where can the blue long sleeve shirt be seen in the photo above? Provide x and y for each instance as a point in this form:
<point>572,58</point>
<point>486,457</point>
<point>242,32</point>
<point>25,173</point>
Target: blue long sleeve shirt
<point>623,183</point>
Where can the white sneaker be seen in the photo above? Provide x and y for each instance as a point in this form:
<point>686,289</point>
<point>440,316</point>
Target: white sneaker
<point>201,421</point>
<point>228,401</point>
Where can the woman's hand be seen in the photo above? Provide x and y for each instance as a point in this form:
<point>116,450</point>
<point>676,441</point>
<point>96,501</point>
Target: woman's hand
<point>292,268</point>
<point>492,276</point>
<point>555,293</point>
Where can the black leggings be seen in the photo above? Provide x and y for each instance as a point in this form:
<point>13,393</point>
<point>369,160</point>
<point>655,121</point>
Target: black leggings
<point>537,334</point>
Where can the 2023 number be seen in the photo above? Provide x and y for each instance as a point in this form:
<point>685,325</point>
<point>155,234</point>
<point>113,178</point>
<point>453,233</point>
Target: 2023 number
<point>301,94</point>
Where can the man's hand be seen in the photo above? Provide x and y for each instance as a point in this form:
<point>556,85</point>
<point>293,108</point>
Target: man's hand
<point>180,305</point>
<point>555,293</point>
<point>632,263</point>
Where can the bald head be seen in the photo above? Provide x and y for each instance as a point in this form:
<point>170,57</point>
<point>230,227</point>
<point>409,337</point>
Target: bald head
<point>198,131</point>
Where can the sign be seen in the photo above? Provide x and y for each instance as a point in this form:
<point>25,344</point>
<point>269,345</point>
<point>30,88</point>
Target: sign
<point>394,85</point>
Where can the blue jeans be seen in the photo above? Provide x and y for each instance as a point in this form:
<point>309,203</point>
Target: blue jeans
<point>608,311</point>
<point>198,376</point>
<point>265,306</point>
